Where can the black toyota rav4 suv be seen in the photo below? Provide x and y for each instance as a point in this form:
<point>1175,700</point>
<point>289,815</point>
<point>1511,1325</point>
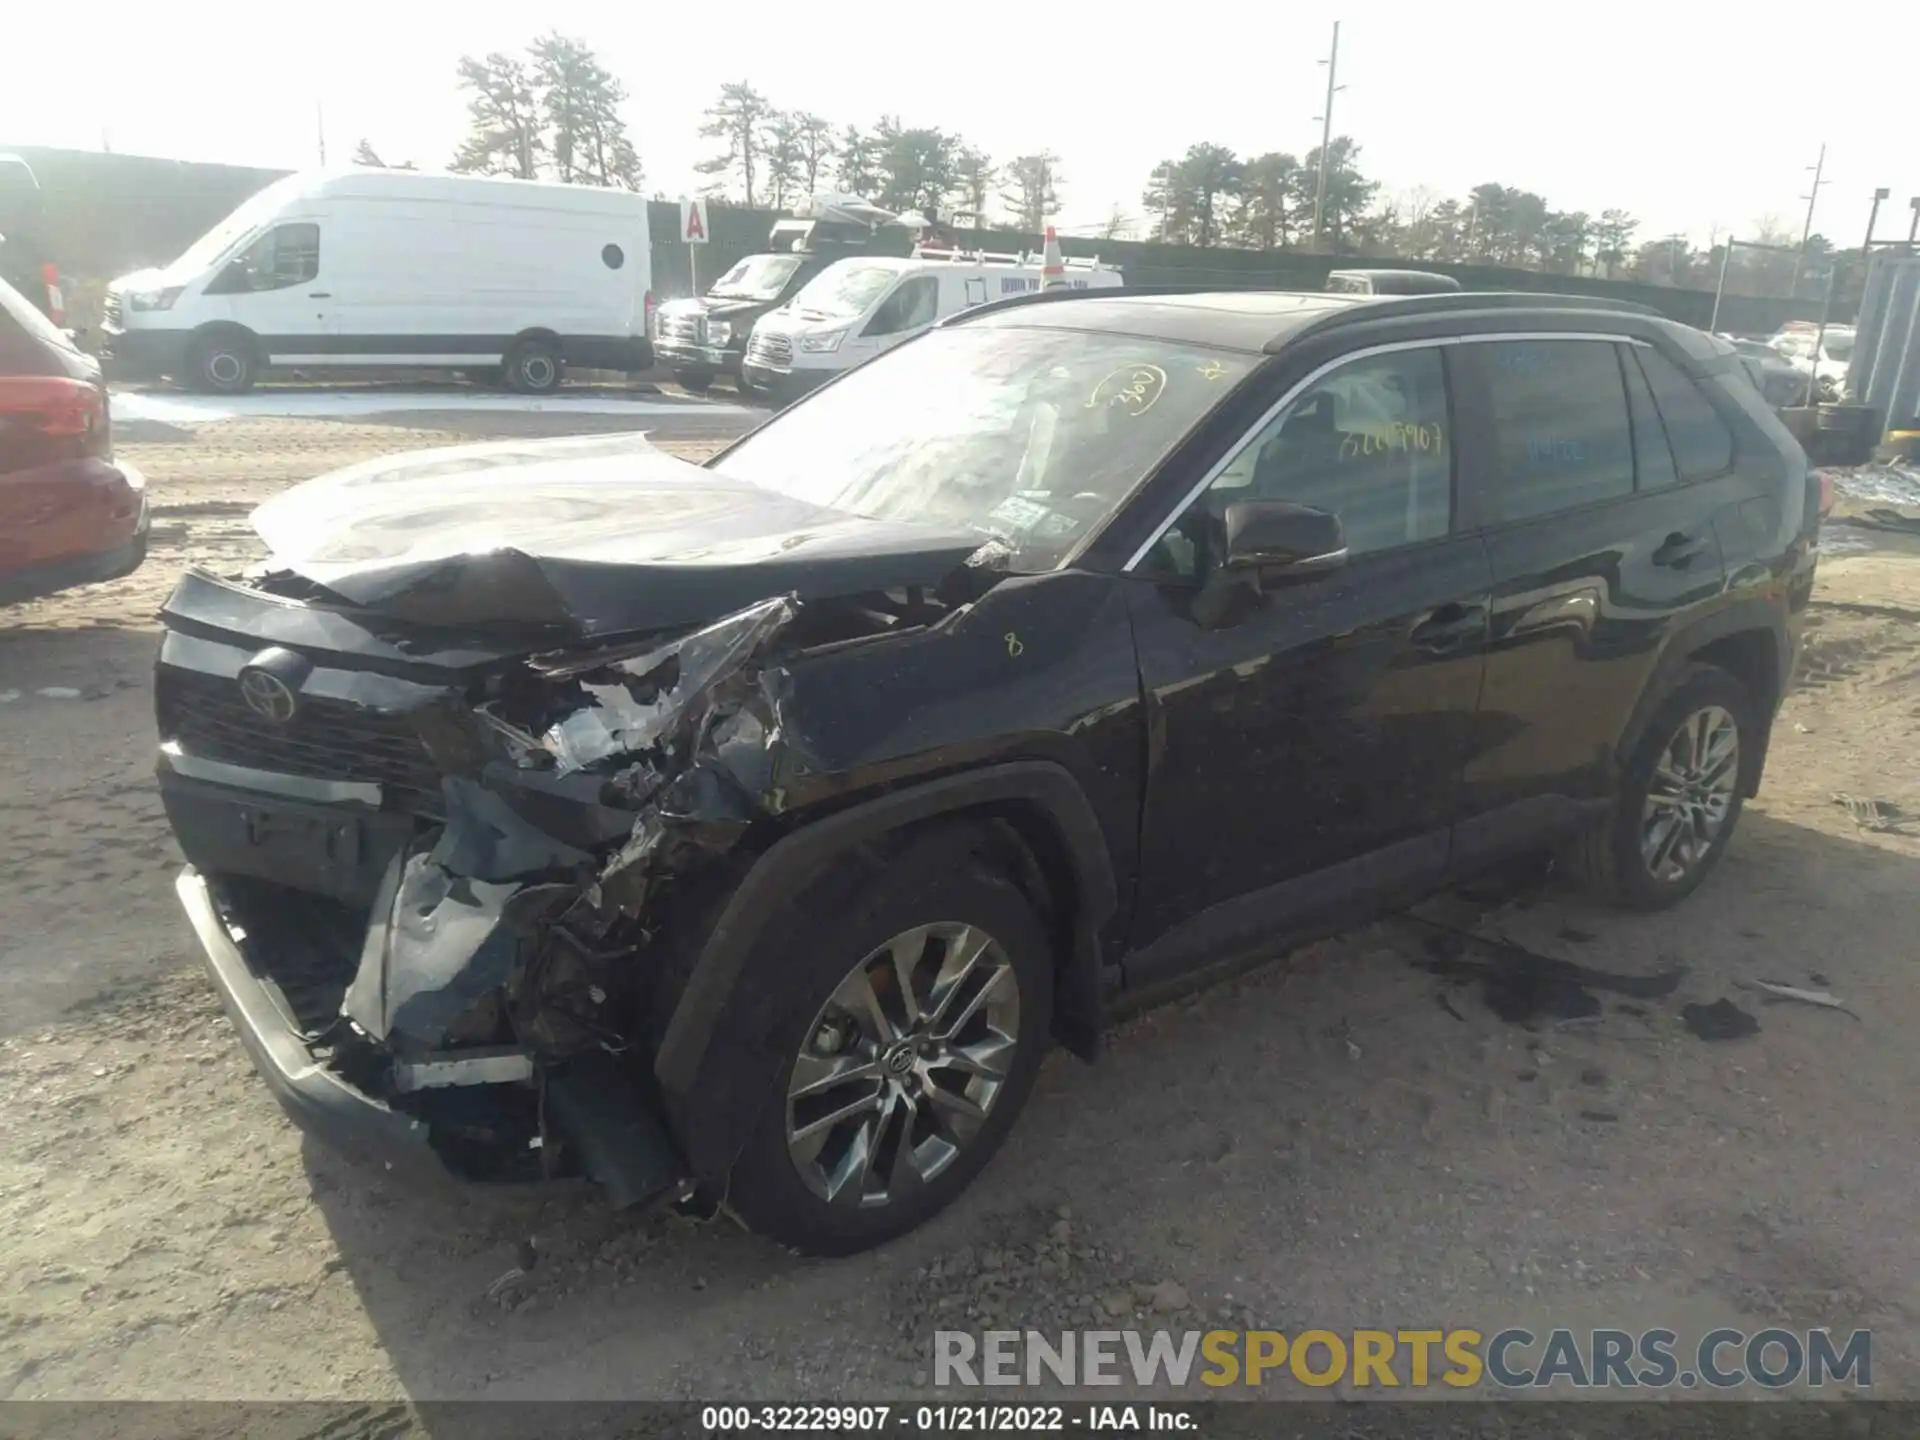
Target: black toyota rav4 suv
<point>747,831</point>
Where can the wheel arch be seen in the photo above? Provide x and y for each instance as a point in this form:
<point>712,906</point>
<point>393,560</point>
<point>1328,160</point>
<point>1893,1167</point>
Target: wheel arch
<point>1043,828</point>
<point>1749,641</point>
<point>220,329</point>
<point>535,332</point>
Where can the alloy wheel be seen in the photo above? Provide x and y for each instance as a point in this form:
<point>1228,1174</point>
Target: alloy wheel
<point>1691,794</point>
<point>904,1063</point>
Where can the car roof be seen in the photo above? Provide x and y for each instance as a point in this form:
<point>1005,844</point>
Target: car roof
<point>1253,320</point>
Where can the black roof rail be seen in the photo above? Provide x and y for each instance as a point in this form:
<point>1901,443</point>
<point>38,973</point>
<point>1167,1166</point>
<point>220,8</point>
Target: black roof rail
<point>1454,302</point>
<point>1342,309</point>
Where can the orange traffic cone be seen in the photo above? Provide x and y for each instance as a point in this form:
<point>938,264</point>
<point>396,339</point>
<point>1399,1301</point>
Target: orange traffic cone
<point>1053,269</point>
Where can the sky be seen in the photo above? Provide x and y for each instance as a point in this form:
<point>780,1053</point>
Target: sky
<point>1696,119</point>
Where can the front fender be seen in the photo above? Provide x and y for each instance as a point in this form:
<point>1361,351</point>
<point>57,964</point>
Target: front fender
<point>722,1084</point>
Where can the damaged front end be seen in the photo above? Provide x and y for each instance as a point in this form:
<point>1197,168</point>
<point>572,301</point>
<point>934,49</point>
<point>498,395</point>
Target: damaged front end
<point>495,1013</point>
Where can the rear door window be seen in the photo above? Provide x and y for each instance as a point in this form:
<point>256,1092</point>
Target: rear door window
<point>1702,443</point>
<point>1561,435</point>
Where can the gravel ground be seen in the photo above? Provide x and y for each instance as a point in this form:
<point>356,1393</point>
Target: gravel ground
<point>1337,1138</point>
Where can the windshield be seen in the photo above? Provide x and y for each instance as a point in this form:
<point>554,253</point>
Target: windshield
<point>758,277</point>
<point>1032,437</point>
<point>1839,344</point>
<point>211,247</point>
<point>843,292</point>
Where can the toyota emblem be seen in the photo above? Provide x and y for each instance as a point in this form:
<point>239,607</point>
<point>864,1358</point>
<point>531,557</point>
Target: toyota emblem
<point>268,696</point>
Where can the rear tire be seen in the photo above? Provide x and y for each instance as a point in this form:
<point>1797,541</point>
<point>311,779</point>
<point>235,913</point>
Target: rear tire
<point>1681,793</point>
<point>938,902</point>
<point>224,362</point>
<point>534,368</point>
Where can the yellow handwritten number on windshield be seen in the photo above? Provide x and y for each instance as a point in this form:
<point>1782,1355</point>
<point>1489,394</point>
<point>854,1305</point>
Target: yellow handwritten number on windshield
<point>1014,647</point>
<point>1132,388</point>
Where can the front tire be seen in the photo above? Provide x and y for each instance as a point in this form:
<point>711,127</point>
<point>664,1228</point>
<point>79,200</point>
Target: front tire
<point>694,382</point>
<point>222,363</point>
<point>533,367</point>
<point>914,1023</point>
<point>1681,794</point>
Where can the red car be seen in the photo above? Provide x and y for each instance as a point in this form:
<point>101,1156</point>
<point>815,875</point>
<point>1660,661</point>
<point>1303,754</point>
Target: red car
<point>70,514</point>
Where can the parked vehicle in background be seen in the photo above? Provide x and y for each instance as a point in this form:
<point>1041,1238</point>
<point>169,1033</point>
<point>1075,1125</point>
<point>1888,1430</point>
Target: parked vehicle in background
<point>25,262</point>
<point>370,267</point>
<point>750,829</point>
<point>70,513</point>
<point>706,337</point>
<point>1390,282</point>
<point>857,308</point>
<point>1773,375</point>
<point>1796,343</point>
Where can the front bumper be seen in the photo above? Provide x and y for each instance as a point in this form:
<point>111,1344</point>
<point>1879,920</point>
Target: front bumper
<point>494,1114</point>
<point>319,1101</point>
<point>678,355</point>
<point>782,386</point>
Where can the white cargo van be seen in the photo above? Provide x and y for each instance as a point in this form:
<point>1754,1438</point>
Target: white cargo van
<point>370,267</point>
<point>858,307</point>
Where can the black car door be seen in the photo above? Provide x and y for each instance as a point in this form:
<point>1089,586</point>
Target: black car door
<point>1305,742</point>
<point>1599,544</point>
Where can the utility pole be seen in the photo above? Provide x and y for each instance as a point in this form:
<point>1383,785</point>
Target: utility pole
<point>1332,62</point>
<point>320,128</point>
<point>1913,230</point>
<point>1806,231</point>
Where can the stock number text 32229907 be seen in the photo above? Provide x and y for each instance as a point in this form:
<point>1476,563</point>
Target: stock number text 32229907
<point>959,1419</point>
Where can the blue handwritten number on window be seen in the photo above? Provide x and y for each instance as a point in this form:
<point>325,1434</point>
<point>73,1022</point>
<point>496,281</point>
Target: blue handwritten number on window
<point>1552,454</point>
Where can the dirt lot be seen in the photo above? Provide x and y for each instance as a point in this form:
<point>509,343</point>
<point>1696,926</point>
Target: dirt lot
<point>1337,1139</point>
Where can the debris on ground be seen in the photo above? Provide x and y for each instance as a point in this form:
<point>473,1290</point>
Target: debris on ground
<point>1896,483</point>
<point>1820,999</point>
<point>1722,1020</point>
<point>1869,814</point>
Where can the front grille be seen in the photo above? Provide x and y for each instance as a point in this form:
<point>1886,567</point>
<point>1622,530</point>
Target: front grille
<point>113,309</point>
<point>773,351</point>
<point>326,739</point>
<point>683,329</point>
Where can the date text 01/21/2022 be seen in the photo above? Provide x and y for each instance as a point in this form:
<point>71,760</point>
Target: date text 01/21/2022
<point>944,1419</point>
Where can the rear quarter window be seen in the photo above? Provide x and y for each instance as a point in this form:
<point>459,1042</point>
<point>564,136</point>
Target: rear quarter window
<point>1702,444</point>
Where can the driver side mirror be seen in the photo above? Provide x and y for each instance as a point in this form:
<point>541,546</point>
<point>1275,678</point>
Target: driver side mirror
<point>1279,540</point>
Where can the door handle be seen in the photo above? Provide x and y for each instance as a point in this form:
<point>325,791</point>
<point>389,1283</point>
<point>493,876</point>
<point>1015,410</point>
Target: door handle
<point>319,294</point>
<point>1677,551</point>
<point>1449,628</point>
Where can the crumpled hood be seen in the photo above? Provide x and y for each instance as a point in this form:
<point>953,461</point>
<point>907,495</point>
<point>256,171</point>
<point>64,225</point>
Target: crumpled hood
<point>596,535</point>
